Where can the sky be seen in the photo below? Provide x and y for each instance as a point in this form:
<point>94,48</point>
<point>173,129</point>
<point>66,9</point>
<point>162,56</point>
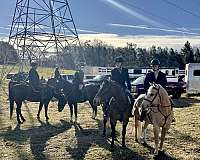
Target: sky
<point>116,22</point>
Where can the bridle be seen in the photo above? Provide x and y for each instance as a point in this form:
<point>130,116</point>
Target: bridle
<point>157,106</point>
<point>157,93</point>
<point>106,90</point>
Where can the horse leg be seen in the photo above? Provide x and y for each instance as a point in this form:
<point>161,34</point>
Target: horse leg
<point>20,113</point>
<point>144,132</point>
<point>124,133</point>
<point>113,124</point>
<point>163,133</point>
<point>71,112</point>
<point>104,125</point>
<point>75,111</point>
<point>18,110</point>
<point>46,110</point>
<point>137,125</point>
<point>94,110</point>
<point>156,130</point>
<point>40,108</point>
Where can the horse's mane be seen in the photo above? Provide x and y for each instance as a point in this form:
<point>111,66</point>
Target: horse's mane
<point>165,100</point>
<point>122,92</point>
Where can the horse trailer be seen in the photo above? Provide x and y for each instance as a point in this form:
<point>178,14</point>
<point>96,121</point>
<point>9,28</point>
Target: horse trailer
<point>192,78</point>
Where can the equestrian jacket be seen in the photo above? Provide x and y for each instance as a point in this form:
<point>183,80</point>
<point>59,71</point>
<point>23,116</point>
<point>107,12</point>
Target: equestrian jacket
<point>34,79</point>
<point>122,77</point>
<point>150,78</point>
<point>56,74</point>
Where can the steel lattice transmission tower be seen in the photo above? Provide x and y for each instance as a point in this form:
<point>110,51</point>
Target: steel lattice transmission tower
<point>42,27</point>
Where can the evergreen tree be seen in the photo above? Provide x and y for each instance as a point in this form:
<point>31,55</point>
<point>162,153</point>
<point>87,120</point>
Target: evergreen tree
<point>187,53</point>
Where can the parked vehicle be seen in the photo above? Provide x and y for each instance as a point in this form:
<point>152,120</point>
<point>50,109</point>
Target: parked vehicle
<point>97,79</point>
<point>68,77</point>
<point>192,78</point>
<point>174,87</point>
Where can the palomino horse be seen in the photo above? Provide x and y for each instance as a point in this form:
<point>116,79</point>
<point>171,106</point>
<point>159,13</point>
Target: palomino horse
<point>156,103</point>
<point>72,96</point>
<point>118,108</point>
<point>18,92</point>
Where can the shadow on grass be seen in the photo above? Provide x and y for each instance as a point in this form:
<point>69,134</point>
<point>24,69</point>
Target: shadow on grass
<point>185,102</point>
<point>161,154</point>
<point>186,138</point>
<point>88,137</point>
<point>38,136</point>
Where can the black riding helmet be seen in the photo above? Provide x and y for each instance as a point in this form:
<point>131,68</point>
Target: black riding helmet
<point>119,59</point>
<point>34,64</point>
<point>155,62</point>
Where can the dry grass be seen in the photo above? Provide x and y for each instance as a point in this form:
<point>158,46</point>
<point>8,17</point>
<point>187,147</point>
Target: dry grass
<point>60,139</point>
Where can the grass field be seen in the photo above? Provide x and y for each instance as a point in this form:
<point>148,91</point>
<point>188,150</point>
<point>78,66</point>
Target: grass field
<point>60,139</point>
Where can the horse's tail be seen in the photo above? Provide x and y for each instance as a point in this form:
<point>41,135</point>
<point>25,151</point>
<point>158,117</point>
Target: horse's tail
<point>11,99</point>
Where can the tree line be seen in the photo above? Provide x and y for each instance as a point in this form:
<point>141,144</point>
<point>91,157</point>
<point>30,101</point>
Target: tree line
<point>97,53</point>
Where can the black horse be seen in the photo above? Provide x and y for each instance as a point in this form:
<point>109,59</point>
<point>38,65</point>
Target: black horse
<point>18,92</point>
<point>118,108</point>
<point>72,96</point>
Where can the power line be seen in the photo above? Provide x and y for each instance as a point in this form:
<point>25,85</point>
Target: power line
<point>181,8</point>
<point>150,13</point>
<point>157,16</point>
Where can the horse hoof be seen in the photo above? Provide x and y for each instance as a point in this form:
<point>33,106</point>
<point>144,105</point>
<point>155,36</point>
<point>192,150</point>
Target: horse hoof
<point>23,120</point>
<point>47,118</point>
<point>123,146</point>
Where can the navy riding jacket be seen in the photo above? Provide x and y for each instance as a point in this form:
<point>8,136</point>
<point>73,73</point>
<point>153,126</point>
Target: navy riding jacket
<point>34,79</point>
<point>150,78</point>
<point>122,77</point>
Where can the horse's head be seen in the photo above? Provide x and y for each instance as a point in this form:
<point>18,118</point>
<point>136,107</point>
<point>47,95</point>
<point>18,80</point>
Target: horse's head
<point>104,93</point>
<point>156,96</point>
<point>61,102</point>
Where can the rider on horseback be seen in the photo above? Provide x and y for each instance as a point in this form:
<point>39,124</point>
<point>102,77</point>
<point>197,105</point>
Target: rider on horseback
<point>57,73</point>
<point>154,76</point>
<point>120,75</point>
<point>34,79</point>
<point>79,84</point>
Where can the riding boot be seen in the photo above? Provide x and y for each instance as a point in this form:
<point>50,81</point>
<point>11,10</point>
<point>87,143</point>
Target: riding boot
<point>132,103</point>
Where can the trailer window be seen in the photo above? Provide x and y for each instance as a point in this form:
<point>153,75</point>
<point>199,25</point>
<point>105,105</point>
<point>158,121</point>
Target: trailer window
<point>196,73</point>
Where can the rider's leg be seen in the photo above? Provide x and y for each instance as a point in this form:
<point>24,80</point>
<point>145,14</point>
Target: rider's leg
<point>128,93</point>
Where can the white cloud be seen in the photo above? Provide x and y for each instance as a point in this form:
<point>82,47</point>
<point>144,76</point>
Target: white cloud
<point>144,41</point>
<point>181,31</point>
<point>133,13</point>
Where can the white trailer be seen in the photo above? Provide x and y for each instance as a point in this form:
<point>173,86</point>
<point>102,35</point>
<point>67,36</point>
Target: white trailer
<point>192,78</point>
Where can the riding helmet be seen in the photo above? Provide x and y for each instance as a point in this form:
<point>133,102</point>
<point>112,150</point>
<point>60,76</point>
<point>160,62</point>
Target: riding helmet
<point>155,62</point>
<point>119,59</point>
<point>34,64</point>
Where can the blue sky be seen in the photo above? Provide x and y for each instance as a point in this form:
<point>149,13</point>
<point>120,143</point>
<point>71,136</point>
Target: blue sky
<point>125,17</point>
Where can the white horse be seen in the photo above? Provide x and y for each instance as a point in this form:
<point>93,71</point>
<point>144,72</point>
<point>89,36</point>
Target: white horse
<point>156,103</point>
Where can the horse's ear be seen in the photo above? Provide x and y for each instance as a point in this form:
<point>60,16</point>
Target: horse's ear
<point>155,84</point>
<point>151,84</point>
